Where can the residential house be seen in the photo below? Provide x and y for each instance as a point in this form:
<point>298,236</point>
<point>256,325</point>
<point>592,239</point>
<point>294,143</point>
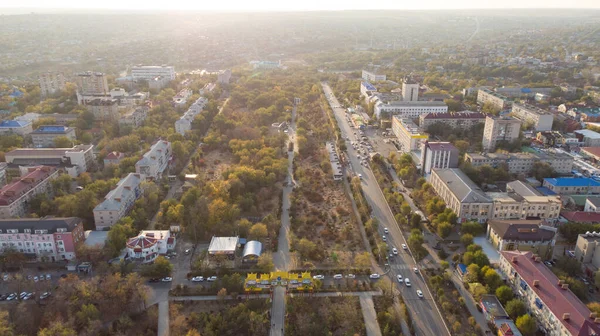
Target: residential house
<point>118,201</point>
<point>155,161</point>
<point>15,196</point>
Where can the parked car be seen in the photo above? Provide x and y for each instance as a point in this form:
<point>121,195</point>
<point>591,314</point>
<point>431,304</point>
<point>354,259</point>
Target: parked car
<point>22,295</point>
<point>45,295</point>
<point>11,297</point>
<point>319,277</point>
<point>166,279</point>
<point>404,247</point>
<point>197,279</point>
<point>3,297</point>
<point>48,277</point>
<point>419,293</point>
<point>5,277</point>
<point>35,279</point>
<point>212,278</point>
<point>351,276</point>
<point>188,251</point>
<point>374,276</point>
<point>338,276</point>
<point>28,296</point>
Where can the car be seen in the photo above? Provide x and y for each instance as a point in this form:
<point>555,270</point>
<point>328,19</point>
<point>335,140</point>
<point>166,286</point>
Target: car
<point>374,276</point>
<point>383,238</point>
<point>212,278</point>
<point>416,270</point>
<point>188,251</point>
<point>350,276</point>
<point>36,279</point>
<point>173,254</point>
<point>391,255</point>
<point>62,276</point>
<point>28,296</point>
<point>3,297</point>
<point>197,279</point>
<point>166,279</point>
<point>29,277</point>
<point>338,276</point>
<point>22,295</point>
<point>319,277</point>
<point>547,263</point>
<point>360,176</point>
<point>79,188</point>
<point>5,277</point>
<point>407,282</point>
<point>11,297</point>
<point>45,295</point>
<point>404,247</point>
<point>48,277</point>
<point>399,277</point>
<point>419,293</point>
<point>395,250</point>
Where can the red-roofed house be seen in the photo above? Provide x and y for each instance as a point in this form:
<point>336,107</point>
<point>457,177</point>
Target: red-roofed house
<point>14,196</point>
<point>558,311</point>
<point>149,244</point>
<point>113,158</point>
<point>581,216</point>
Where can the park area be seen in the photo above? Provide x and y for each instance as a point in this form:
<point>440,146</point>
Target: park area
<point>336,316</point>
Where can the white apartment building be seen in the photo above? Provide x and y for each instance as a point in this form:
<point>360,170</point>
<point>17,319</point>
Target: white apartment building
<point>408,134</point>
<point>118,201</point>
<point>155,161</point>
<point>372,76</point>
<point>51,83</point>
<point>15,196</point>
<point>181,97</point>
<point>497,100</point>
<point>74,160</point>
<point>541,119</point>
<point>521,201</point>
<point>522,163</point>
<point>149,72</point>
<point>461,195</point>
<point>499,129</point>
<point>91,85</point>
<point>409,109</point>
<point>410,90</point>
<point>224,76</point>
<point>438,155</point>
<point>184,124</point>
<point>135,117</point>
<point>461,120</point>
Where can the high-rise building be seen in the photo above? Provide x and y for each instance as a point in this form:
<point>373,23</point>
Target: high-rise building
<point>410,89</point>
<point>373,76</point>
<point>499,129</point>
<point>149,72</point>
<point>224,76</point>
<point>541,119</point>
<point>92,84</point>
<point>51,83</point>
<point>104,109</point>
<point>438,155</point>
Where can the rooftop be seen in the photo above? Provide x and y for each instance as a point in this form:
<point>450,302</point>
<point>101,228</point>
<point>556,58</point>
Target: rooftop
<point>522,189</point>
<point>13,123</point>
<point>572,182</point>
<point>592,151</point>
<point>52,129</point>
<point>103,102</point>
<point>492,306</point>
<point>455,115</point>
<point>222,244</point>
<point>52,224</point>
<point>15,190</point>
<point>154,153</point>
<point>252,247</point>
<point>369,86</point>
<point>441,146</point>
<point>95,238</point>
<point>531,108</point>
<point>559,301</point>
<point>125,188</point>
<point>588,133</point>
<point>581,216</point>
<point>141,242</point>
<point>529,230</point>
<point>414,103</point>
<point>461,186</point>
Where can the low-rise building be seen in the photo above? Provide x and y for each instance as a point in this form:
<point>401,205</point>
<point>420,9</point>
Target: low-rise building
<point>519,92</point>
<point>155,161</point>
<point>592,204</point>
<point>408,134</point>
<point>587,114</point>
<point>572,185</point>
<point>158,83</point>
<point>181,97</point>
<point>15,127</point>
<point>118,201</point>
<point>459,120</point>
<point>148,245</point>
<point>588,138</point>
<point>223,246</point>
<point>408,109</point>
<point>580,216</point>
<point>522,201</point>
<point>522,163</point>
<point>224,76</point>
<point>15,196</point>
<point>42,239</point>
<point>113,158</point>
<point>373,76</point>
<point>591,152</point>
<point>104,109</point>
<point>492,308</point>
<point>497,100</point>
<point>557,310</point>
<point>522,235</point>
<point>587,249</point>
<point>497,129</point>
<point>135,117</point>
<point>74,160</point>
<point>184,124</point>
<point>540,119</point>
<point>438,155</point>
<point>44,136</point>
<point>148,72</point>
<point>461,194</point>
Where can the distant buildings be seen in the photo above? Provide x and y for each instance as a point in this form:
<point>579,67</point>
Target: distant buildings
<point>184,124</point>
<point>104,109</point>
<point>540,119</point>
<point>181,97</point>
<point>408,109</point>
<point>499,129</point>
<point>572,185</point>
<point>44,136</point>
<point>518,92</point>
<point>265,64</point>
<point>408,134</point>
<point>113,158</point>
<point>8,127</point>
<point>91,85</point>
<point>155,161</point>
<point>497,100</point>
<point>148,245</point>
<point>438,155</point>
<point>522,235</point>
<point>51,83</point>
<point>522,201</point>
<point>224,76</point>
<point>135,117</point>
<point>460,120</point>
<point>158,83</point>
<point>410,90</point>
<point>522,163</point>
<point>209,87</point>
<point>336,166</point>
<point>15,196</point>
<point>74,160</point>
<point>150,72</point>
<point>43,239</point>
<point>588,138</point>
<point>118,201</point>
<point>372,76</point>
<point>461,194</point>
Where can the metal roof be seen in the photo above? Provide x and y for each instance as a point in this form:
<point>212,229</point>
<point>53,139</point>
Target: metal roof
<point>461,186</point>
<point>222,244</point>
<point>252,247</point>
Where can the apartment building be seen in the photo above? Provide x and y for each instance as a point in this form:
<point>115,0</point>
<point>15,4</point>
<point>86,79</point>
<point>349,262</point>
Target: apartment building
<point>587,249</point>
<point>118,201</point>
<point>522,163</point>
<point>155,161</point>
<point>540,119</point>
<point>15,196</point>
<point>497,100</point>
<point>158,83</point>
<point>207,88</point>
<point>408,134</point>
<point>134,117</point>
<point>410,90</point>
<point>408,109</point>
<point>522,235</point>
<point>43,136</point>
<point>184,124</point>
<point>51,83</point>
<point>461,194</point>
<point>74,160</point>
<point>459,120</point>
<point>499,129</point>
<point>373,76</point>
<point>588,138</point>
<point>104,109</point>
<point>572,185</point>
<point>518,92</point>
<point>43,239</point>
<point>224,76</point>
<point>521,201</point>
<point>149,72</point>
<point>91,85</point>
<point>557,310</point>
<point>550,138</point>
<point>438,155</point>
<point>181,97</point>
<point>8,127</point>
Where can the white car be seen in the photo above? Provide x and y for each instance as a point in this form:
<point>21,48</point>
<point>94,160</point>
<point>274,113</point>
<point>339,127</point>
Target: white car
<point>197,279</point>
<point>350,276</point>
<point>407,282</point>
<point>419,293</point>
<point>374,276</point>
<point>399,277</point>
<point>11,297</point>
<point>404,247</point>
<point>45,295</point>
<point>386,230</point>
<point>416,270</point>
<point>35,279</point>
<point>166,279</point>
<point>212,278</point>
<point>319,277</point>
<point>338,276</point>
<point>383,238</point>
<point>395,250</point>
<point>360,176</point>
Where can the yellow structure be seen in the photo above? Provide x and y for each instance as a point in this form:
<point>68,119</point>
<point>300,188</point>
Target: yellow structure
<point>259,282</point>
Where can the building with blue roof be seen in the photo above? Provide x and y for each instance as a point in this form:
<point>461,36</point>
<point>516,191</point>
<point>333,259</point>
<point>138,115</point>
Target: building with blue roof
<point>15,127</point>
<point>572,185</point>
<point>43,136</point>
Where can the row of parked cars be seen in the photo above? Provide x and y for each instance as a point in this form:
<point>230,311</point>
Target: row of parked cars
<point>201,279</point>
<point>348,276</point>
<point>24,296</point>
<point>35,278</point>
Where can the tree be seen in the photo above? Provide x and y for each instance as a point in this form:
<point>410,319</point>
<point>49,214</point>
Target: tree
<point>594,307</point>
<point>84,179</point>
<point>472,273</point>
<point>362,260</point>
<point>86,315</point>
<point>515,308</point>
<point>192,332</point>
<point>405,209</point>
<point>63,142</point>
<point>258,231</point>
<point>492,279</point>
<point>62,185</point>
<point>159,269</point>
<point>415,220</point>
<point>526,325</point>
<point>57,328</point>
<point>504,294</point>
<point>480,258</point>
<point>472,228</point>
<point>542,170</point>
<point>265,263</point>
<point>117,237</point>
<point>444,229</point>
<point>466,239</point>
<point>306,248</point>
<point>5,327</point>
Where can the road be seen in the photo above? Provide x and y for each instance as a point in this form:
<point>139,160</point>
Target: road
<point>427,319</point>
<point>368,309</point>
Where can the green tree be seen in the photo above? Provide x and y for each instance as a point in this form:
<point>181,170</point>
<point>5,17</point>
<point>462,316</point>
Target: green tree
<point>306,248</point>
<point>466,239</point>
<point>362,260</point>
<point>492,279</point>
<point>62,185</point>
<point>57,328</point>
<point>86,315</point>
<point>159,269</point>
<point>258,231</point>
<point>541,170</point>
<point>504,294</point>
<point>594,307</point>
<point>405,209</point>
<point>117,237</point>
<point>472,228</point>
<point>515,308</point>
<point>415,220</point>
<point>63,142</point>
<point>444,229</point>
<point>5,326</point>
<point>526,325</point>
<point>472,273</point>
<point>265,263</point>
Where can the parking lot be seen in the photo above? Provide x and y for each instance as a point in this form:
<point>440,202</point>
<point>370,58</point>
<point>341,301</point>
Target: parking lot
<point>28,285</point>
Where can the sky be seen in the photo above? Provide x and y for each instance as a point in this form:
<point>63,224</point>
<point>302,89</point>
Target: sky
<point>294,5</point>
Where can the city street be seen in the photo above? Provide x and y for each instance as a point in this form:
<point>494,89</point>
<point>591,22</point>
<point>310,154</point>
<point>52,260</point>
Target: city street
<point>426,317</point>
